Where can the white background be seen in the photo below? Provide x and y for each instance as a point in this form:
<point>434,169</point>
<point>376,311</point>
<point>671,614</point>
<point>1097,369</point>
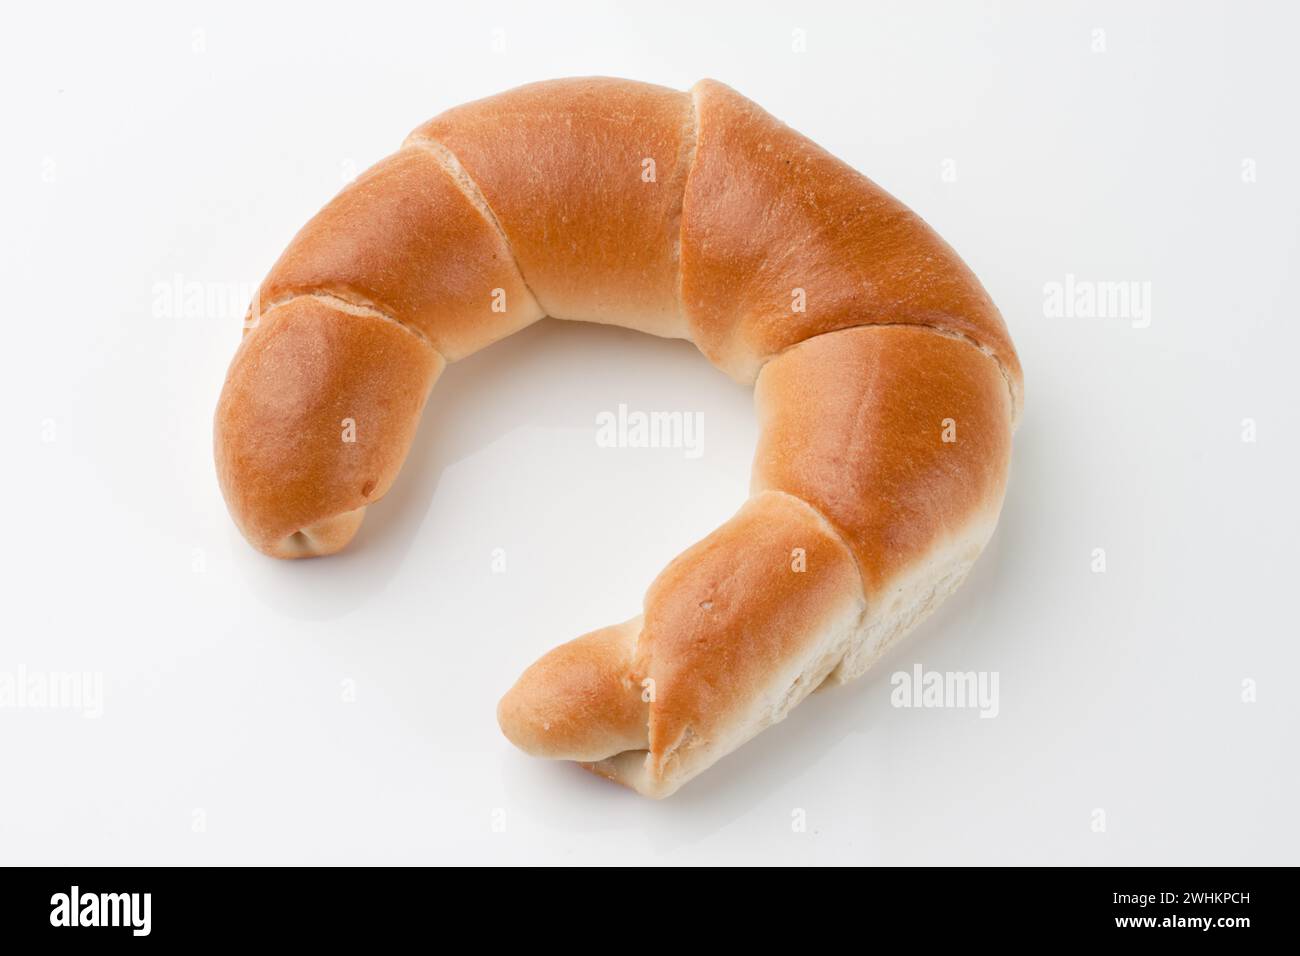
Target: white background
<point>186,143</point>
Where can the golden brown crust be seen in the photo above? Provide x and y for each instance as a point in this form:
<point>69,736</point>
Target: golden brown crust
<point>736,631</point>
<point>768,212</point>
<point>899,436</point>
<point>579,701</point>
<point>729,615</point>
<point>563,166</point>
<point>875,344</point>
<point>316,417</point>
<point>403,238</point>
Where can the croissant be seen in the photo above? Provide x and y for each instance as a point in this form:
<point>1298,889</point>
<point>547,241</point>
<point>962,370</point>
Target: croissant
<point>886,385</point>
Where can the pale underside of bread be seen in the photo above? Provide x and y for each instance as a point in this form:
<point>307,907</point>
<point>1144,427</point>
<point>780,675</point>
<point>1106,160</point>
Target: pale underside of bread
<point>845,647</point>
<point>693,215</point>
<point>884,564</point>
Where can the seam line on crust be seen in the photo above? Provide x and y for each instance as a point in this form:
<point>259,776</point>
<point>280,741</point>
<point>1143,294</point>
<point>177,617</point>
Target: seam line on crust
<point>941,330</point>
<point>659,761</point>
<point>457,173</point>
<point>348,307</point>
<point>832,527</point>
<point>691,147</point>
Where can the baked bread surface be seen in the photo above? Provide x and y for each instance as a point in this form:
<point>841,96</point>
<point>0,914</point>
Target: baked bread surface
<point>887,388</point>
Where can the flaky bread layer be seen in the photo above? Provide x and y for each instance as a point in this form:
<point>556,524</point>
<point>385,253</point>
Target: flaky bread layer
<point>585,177</point>
<point>840,650</point>
<point>404,239</point>
<point>736,631</point>
<point>886,447</point>
<point>781,241</point>
<point>898,435</point>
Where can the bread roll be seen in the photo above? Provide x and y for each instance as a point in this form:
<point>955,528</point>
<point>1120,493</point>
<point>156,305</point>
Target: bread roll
<point>887,388</point>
